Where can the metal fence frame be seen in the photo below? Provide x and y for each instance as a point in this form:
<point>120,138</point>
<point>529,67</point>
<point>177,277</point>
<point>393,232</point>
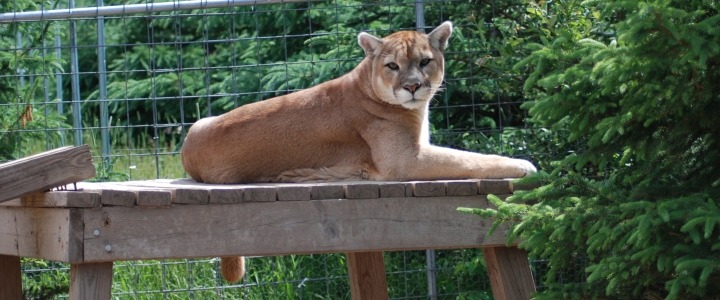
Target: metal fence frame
<point>71,13</point>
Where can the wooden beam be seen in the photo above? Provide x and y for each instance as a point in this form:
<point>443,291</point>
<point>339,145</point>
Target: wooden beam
<point>57,199</point>
<point>48,233</point>
<point>510,275</point>
<point>285,227</point>
<point>11,278</point>
<point>91,281</point>
<point>44,171</point>
<point>367,275</point>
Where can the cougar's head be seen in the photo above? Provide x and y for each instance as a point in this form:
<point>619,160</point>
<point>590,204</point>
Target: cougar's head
<point>407,66</point>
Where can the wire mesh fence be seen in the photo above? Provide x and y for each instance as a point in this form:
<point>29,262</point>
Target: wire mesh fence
<point>129,78</point>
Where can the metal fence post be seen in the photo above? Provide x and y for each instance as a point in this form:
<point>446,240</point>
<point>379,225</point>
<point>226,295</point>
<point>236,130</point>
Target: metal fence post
<point>420,15</point>
<point>59,88</point>
<point>102,76</point>
<point>75,81</point>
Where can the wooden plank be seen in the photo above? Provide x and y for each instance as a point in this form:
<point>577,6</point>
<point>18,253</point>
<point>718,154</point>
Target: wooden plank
<point>118,198</point>
<point>495,187</point>
<point>462,187</point>
<point>226,196</point>
<point>327,191</point>
<point>291,227</point>
<point>44,171</point>
<point>11,280</point>
<point>155,193</point>
<point>191,196</point>
<point>91,281</point>
<point>217,193</point>
<point>509,271</point>
<point>362,191</point>
<point>367,275</point>
<point>154,198</point>
<point>294,192</point>
<point>143,196</point>
<point>180,193</point>
<point>428,189</point>
<point>57,199</point>
<point>48,233</point>
<point>395,190</point>
<point>260,194</point>
<point>189,191</point>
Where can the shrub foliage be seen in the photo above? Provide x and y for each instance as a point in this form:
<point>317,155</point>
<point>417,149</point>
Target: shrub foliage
<point>638,201</point>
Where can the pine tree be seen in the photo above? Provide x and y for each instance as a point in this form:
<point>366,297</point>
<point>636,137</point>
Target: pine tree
<point>638,202</point>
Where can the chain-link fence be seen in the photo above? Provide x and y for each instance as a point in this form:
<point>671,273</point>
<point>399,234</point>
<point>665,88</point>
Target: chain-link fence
<point>130,78</point>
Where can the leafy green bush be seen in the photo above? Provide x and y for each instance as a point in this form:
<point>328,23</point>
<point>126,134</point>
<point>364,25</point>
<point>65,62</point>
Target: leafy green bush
<point>638,200</point>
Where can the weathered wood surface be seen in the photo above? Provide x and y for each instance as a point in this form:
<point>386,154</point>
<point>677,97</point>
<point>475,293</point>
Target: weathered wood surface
<point>91,281</point>
<point>11,279</point>
<point>49,233</point>
<point>57,199</point>
<point>164,192</point>
<point>285,227</point>
<point>205,220</point>
<point>509,271</point>
<point>367,275</point>
<point>44,171</point>
<point>161,219</point>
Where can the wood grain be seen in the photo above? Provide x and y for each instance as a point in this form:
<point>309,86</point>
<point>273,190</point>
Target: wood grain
<point>57,199</point>
<point>395,190</point>
<point>428,189</point>
<point>367,275</point>
<point>91,281</point>
<point>44,171</point>
<point>362,191</point>
<point>495,186</point>
<point>327,191</point>
<point>289,227</point>
<point>509,271</point>
<point>462,187</point>
<point>11,279</point>
<point>293,192</point>
<point>48,233</point>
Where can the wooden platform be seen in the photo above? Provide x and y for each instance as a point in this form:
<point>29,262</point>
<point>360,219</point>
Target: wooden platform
<point>160,219</point>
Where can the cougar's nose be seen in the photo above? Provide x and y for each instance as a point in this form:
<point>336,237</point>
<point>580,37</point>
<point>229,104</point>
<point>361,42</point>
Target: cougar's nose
<point>412,87</point>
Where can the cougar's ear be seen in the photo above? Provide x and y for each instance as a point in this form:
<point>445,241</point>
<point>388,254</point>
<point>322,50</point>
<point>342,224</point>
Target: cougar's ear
<point>369,43</point>
<point>439,37</point>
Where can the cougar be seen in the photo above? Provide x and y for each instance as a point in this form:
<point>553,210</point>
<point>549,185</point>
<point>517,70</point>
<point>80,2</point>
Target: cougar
<point>370,124</point>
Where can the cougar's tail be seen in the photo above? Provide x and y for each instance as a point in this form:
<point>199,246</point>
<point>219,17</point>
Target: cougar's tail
<point>232,268</point>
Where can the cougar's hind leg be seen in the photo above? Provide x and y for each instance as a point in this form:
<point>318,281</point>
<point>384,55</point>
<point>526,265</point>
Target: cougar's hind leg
<point>335,173</point>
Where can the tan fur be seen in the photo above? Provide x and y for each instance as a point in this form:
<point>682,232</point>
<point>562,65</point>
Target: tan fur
<point>365,125</point>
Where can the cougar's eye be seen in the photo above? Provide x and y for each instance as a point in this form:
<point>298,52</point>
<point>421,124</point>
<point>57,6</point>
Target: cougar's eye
<point>392,66</point>
<point>425,62</point>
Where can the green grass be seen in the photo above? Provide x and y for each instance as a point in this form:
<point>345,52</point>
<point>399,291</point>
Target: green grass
<point>460,275</point>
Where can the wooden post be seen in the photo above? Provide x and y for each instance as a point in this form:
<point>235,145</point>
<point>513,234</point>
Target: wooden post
<point>91,281</point>
<point>367,275</point>
<point>509,270</point>
<point>11,279</point>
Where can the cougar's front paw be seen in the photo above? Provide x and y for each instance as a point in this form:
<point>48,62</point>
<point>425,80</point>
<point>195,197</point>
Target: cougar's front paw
<point>514,168</point>
<point>525,166</point>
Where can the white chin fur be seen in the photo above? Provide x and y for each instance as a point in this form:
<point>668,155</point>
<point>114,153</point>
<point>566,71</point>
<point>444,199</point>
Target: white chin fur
<point>410,101</point>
